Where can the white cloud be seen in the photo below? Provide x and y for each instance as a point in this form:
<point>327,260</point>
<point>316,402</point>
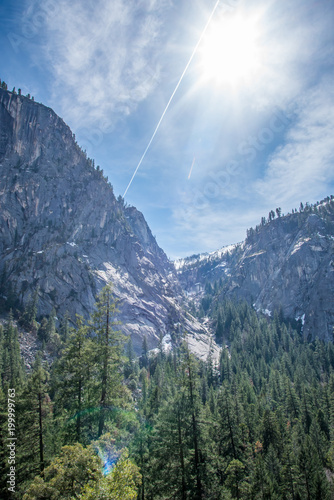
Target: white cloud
<point>207,229</point>
<point>221,209</point>
<point>103,58</point>
<point>302,169</point>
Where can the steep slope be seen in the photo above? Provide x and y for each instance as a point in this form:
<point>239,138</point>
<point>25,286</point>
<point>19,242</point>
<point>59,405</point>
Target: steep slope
<point>287,263</point>
<point>62,230</point>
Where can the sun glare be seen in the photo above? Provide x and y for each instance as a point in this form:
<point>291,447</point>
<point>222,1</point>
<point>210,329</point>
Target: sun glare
<point>230,52</point>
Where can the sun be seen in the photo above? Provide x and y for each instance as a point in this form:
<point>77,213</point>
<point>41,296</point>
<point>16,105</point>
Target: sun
<point>230,52</point>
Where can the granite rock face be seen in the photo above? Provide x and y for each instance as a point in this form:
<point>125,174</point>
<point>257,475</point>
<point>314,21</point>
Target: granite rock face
<point>62,230</point>
<point>288,264</point>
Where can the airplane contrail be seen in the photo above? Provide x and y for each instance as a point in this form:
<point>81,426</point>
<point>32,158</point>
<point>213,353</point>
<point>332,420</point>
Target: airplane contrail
<point>191,168</point>
<point>171,97</point>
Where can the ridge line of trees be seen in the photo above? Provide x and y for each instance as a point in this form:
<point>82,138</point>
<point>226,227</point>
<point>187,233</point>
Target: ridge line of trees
<point>307,208</point>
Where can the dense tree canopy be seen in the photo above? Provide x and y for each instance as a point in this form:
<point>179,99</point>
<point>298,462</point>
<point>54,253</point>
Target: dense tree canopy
<point>95,422</point>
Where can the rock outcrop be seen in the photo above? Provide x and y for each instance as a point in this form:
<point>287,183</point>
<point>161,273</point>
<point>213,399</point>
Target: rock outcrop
<point>63,231</point>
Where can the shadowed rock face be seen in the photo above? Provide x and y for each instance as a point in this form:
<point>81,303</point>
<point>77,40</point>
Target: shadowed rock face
<point>288,264</point>
<point>62,230</point>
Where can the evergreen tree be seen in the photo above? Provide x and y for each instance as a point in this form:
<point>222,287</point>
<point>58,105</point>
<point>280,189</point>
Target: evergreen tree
<point>141,454</point>
<point>4,466</point>
<point>67,476</point>
<point>65,327</point>
<point>219,328</point>
<point>170,451</point>
<point>34,425</point>
<point>144,356</point>
<point>75,383</point>
<point>11,362</point>
<point>109,345</point>
<point>131,365</point>
<point>175,438</point>
<point>194,408</point>
<point>28,318</point>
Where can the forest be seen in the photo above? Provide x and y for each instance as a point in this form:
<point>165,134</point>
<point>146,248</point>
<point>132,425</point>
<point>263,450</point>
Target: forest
<point>94,421</point>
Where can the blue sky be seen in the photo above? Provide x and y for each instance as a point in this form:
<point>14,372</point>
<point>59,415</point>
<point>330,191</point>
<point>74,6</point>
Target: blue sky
<point>249,129</point>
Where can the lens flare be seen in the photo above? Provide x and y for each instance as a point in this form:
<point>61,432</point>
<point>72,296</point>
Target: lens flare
<point>231,52</point>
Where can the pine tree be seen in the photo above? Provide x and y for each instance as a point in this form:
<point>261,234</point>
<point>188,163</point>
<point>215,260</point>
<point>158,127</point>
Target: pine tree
<point>235,474</point>
<point>34,424</point>
<point>171,449</point>
<point>194,408</point>
<point>141,454</point>
<point>174,447</point>
<point>229,430</point>
<point>47,328</point>
<point>75,383</point>
<point>144,356</point>
<point>65,327</point>
<point>4,466</point>
<point>28,318</point>
<point>12,366</point>
<point>131,365</point>
<point>109,345</point>
<point>219,328</point>
<point>289,472</point>
<point>270,430</point>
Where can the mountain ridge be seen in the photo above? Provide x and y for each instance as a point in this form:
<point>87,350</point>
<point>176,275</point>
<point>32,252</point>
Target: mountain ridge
<point>286,263</point>
<point>62,230</point>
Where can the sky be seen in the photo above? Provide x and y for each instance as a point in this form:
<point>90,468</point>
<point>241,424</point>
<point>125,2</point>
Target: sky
<point>238,113</point>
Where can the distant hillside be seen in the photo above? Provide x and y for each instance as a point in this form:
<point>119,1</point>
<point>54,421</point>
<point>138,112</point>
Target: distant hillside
<point>287,263</point>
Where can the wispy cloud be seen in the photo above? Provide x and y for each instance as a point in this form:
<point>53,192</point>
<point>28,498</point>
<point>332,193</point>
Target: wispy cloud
<point>207,229</point>
<point>303,166</point>
<point>103,57</point>
<point>300,169</point>
<point>100,59</point>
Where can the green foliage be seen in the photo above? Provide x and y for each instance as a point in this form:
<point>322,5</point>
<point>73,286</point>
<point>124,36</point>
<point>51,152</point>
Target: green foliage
<point>121,484</point>
<point>124,479</point>
<point>108,347</point>
<point>74,383</point>
<point>67,475</point>
<point>10,358</point>
<point>172,446</point>
<point>34,424</point>
<point>3,446</point>
<point>28,318</point>
<point>77,473</point>
<point>47,330</point>
<point>258,425</point>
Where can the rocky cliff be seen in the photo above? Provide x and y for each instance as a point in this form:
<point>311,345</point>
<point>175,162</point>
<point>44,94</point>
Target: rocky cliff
<point>287,263</point>
<point>63,232</point>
